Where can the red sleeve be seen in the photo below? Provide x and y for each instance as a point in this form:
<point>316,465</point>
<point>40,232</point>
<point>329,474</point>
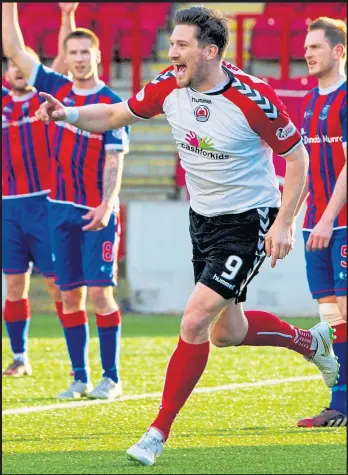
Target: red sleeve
<point>149,101</point>
<point>266,114</point>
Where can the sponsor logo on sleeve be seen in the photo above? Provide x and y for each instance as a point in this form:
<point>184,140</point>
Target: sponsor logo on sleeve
<point>285,132</point>
<point>141,94</point>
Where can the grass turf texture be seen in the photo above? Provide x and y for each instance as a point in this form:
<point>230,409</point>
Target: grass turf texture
<point>243,431</point>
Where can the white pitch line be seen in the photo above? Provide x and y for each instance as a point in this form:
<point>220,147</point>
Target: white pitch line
<point>226,387</point>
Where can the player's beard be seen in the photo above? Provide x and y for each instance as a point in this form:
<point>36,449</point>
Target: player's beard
<point>20,87</point>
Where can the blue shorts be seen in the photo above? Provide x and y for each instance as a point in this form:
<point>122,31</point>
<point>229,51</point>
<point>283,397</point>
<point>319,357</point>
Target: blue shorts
<point>25,235</point>
<point>327,269</point>
<point>82,257</point>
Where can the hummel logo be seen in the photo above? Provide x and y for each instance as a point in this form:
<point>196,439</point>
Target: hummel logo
<point>326,348</point>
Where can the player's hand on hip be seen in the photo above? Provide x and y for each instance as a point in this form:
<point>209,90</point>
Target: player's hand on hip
<point>51,110</point>
<point>278,242</point>
<point>320,236</point>
<point>99,217</point>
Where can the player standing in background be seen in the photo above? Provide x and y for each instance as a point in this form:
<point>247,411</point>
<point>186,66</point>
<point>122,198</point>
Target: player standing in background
<point>86,179</point>
<point>25,187</point>
<point>324,130</point>
<point>225,124</point>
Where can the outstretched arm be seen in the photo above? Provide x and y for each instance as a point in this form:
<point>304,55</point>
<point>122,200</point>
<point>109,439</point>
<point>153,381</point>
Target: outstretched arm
<point>96,118</point>
<point>67,26</point>
<point>12,40</point>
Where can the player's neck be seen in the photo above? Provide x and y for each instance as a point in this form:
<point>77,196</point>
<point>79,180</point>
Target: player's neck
<point>21,92</point>
<point>213,78</point>
<point>331,79</point>
<point>89,83</point>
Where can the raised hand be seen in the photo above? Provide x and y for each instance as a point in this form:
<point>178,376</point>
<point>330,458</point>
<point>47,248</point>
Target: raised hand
<point>51,110</point>
<point>68,7</point>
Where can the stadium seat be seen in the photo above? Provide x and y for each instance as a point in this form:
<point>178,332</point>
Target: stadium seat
<point>297,38</point>
<point>283,10</point>
<point>153,17</point>
<point>148,41</point>
<point>315,10</point>
<point>265,41</point>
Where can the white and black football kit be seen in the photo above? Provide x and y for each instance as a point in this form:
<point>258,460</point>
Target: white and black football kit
<point>225,139</point>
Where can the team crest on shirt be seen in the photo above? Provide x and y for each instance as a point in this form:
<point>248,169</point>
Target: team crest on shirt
<point>324,112</point>
<point>68,101</point>
<point>202,113</point>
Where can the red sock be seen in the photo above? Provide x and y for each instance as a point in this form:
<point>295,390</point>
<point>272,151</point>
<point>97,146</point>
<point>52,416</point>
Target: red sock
<point>265,329</point>
<point>185,367</point>
<point>340,332</point>
<point>16,310</point>
<point>59,308</point>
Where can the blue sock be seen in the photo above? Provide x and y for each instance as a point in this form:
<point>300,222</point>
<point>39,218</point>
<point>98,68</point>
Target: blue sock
<point>77,339</point>
<point>109,341</point>
<point>18,335</point>
<point>339,391</point>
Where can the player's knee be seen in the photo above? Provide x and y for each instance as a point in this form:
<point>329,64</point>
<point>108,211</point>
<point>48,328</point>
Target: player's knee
<point>17,286</point>
<point>194,327</point>
<point>220,341</point>
<point>53,289</point>
<point>73,300</point>
<point>100,298</point>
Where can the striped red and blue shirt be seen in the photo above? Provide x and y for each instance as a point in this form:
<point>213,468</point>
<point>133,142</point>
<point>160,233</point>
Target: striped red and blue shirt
<point>77,156</point>
<point>25,150</point>
<point>324,132</point>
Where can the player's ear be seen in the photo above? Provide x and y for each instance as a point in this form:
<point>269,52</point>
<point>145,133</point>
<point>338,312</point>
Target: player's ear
<point>212,52</point>
<point>338,51</point>
<point>98,56</point>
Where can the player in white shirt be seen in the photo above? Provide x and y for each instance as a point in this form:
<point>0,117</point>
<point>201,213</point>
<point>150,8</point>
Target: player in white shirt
<point>225,124</point>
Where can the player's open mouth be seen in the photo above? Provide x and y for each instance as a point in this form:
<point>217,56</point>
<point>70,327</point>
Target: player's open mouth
<point>180,69</point>
<point>312,63</point>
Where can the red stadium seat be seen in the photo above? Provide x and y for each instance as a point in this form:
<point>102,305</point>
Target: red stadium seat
<point>148,41</point>
<point>297,39</point>
<point>283,10</point>
<point>315,10</point>
<point>153,16</point>
<point>265,42</point>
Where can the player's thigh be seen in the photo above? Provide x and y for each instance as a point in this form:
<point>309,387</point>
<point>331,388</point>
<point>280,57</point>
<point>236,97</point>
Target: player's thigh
<point>37,230</point>
<point>15,252</point>
<point>100,249</point>
<point>338,249</point>
<point>67,243</point>
<point>230,327</point>
<point>319,270</point>
<point>234,248</point>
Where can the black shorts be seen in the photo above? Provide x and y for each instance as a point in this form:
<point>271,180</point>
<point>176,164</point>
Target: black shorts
<point>229,249</point>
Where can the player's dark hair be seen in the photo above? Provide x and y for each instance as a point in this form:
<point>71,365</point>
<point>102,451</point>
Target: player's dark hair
<point>212,26</point>
<point>335,31</point>
<point>83,33</point>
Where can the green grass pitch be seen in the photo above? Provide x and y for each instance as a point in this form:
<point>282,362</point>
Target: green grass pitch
<point>247,430</point>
